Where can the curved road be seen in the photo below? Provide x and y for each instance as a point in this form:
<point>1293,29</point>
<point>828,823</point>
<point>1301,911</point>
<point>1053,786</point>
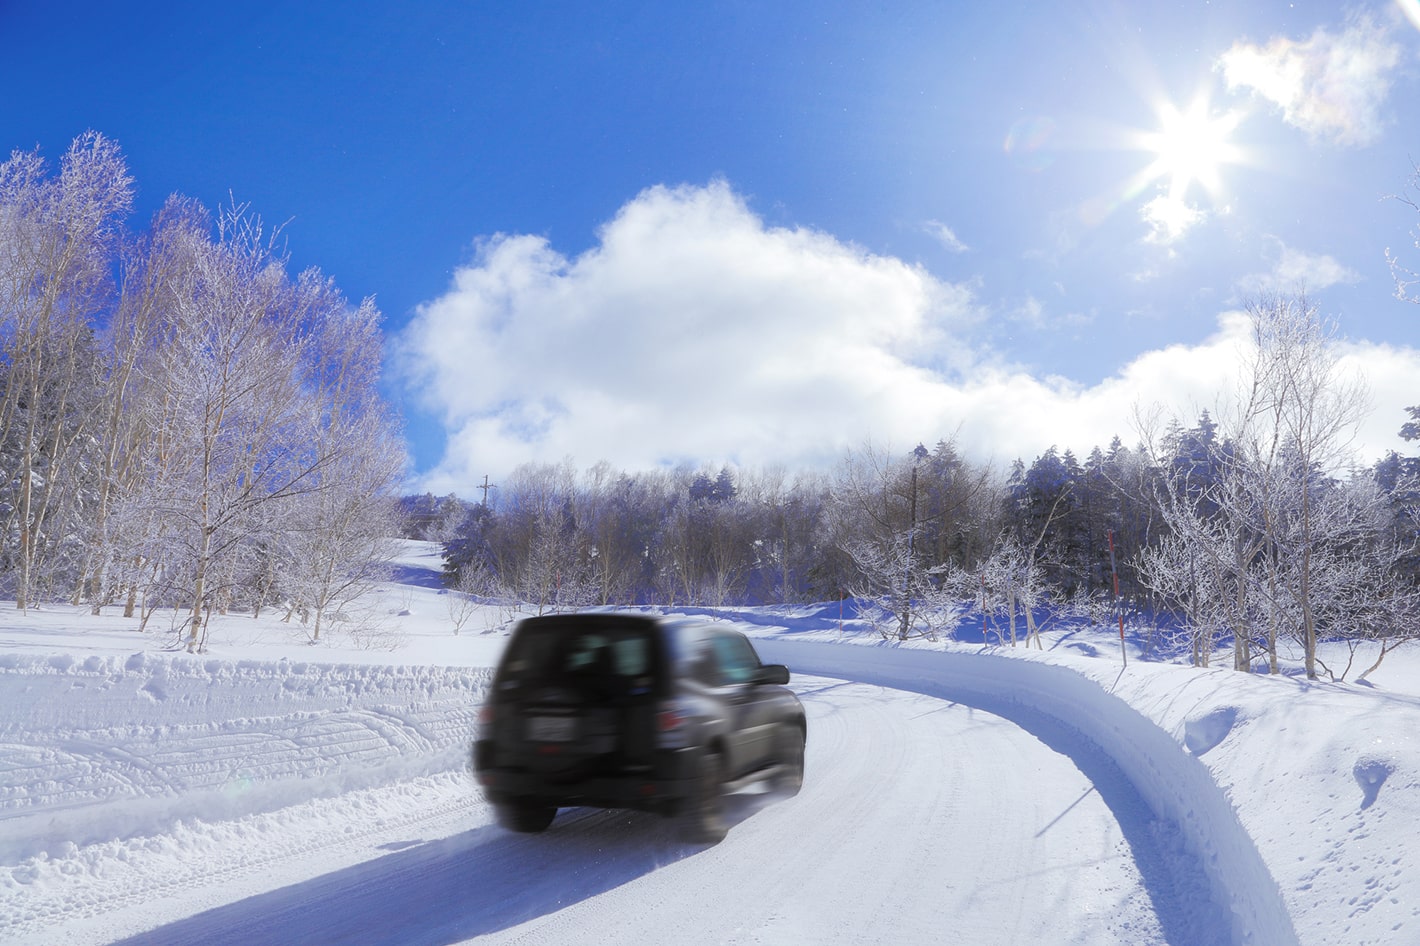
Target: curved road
<point>920,821</point>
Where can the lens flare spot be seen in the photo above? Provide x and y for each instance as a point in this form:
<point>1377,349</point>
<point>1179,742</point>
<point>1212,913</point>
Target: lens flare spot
<point>1028,141</point>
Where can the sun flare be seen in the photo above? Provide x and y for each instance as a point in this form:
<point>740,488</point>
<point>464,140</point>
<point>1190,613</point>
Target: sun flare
<point>1191,145</point>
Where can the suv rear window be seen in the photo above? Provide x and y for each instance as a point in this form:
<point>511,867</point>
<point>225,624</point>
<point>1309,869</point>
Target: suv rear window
<point>566,653</point>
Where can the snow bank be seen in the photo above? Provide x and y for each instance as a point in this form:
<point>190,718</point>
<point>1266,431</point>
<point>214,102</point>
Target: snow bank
<point>1298,799</point>
<point>1325,777</point>
<point>91,746</point>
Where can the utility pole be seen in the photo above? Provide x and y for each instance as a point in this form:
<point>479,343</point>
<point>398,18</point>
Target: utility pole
<point>486,487</point>
<point>905,628</point>
<point>1118,604</point>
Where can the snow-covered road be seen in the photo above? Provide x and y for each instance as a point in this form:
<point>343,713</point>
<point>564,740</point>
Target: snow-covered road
<point>920,821</point>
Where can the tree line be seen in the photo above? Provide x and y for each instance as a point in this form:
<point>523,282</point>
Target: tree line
<point>1233,534</point>
<point>186,424</point>
<point>183,423</point>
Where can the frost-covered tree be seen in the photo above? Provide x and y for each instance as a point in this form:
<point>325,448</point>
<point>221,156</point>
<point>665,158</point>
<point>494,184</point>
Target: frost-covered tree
<point>1254,521</point>
<point>232,424</point>
<point>1007,583</point>
<point>58,242</point>
<point>621,517</point>
<point>149,265</point>
<point>1298,421</point>
<point>152,439</point>
<point>782,517</point>
<point>534,538</point>
<point>1203,564</point>
<point>1407,279</point>
<point>680,553</point>
<point>252,392</point>
<point>469,549</point>
<point>1205,568</point>
<point>1361,592</point>
<point>874,513</point>
<point>336,532</point>
<point>1044,514</point>
<point>902,524</point>
<point>728,528</point>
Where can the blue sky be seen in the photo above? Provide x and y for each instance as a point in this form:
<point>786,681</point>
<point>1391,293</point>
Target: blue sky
<point>705,233</point>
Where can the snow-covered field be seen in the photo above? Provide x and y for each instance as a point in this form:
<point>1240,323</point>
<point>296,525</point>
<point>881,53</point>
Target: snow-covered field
<point>271,790</point>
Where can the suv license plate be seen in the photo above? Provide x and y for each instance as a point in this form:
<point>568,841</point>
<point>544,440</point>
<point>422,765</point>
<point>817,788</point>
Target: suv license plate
<point>552,728</point>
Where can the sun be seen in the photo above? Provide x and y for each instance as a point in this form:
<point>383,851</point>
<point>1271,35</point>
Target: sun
<point>1191,145</point>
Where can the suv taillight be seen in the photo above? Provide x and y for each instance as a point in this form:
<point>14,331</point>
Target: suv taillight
<point>672,725</point>
<point>485,721</point>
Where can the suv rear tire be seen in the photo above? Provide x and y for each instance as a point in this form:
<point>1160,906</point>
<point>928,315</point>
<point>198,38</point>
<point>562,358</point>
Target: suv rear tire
<point>791,760</point>
<point>525,817</point>
<point>704,818</point>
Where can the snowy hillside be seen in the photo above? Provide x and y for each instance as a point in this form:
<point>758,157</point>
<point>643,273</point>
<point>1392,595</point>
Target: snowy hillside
<point>1027,796</point>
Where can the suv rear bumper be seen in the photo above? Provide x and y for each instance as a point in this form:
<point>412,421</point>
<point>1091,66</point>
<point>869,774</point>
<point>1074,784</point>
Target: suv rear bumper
<point>670,779</point>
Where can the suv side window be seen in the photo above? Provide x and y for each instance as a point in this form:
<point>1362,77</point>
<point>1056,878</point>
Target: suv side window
<point>632,656</point>
<point>736,658</point>
<point>704,665</point>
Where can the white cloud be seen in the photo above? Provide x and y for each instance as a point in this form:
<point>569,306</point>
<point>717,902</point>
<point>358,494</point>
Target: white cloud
<point>945,235</point>
<point>693,332</point>
<point>1009,414</point>
<point>1389,373</point>
<point>1331,85</point>
<point>1169,218</point>
<point>1296,270</point>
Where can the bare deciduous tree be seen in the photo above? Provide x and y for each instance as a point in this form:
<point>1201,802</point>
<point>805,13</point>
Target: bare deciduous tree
<point>259,391</point>
<point>1298,422</point>
<point>1406,278</point>
<point>895,518</point>
<point>58,240</point>
<point>1253,546</point>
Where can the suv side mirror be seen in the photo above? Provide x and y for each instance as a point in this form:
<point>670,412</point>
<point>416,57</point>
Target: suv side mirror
<point>772,673</point>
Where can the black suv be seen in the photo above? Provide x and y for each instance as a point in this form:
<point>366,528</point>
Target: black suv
<point>614,710</point>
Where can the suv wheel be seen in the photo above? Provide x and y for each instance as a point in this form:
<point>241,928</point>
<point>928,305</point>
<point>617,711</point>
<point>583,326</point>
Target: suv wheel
<point>524,817</point>
<point>705,810</point>
<point>791,759</point>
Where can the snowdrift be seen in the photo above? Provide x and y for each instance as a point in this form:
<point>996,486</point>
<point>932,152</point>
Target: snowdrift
<point>140,743</point>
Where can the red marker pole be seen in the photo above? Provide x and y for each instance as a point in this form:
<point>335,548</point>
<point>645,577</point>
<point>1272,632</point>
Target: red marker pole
<point>1114,573</point>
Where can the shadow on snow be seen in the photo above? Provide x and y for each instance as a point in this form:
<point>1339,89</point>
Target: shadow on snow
<point>434,893</point>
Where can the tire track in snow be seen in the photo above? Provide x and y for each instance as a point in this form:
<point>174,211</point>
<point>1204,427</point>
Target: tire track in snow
<point>113,891</point>
<point>147,742</point>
